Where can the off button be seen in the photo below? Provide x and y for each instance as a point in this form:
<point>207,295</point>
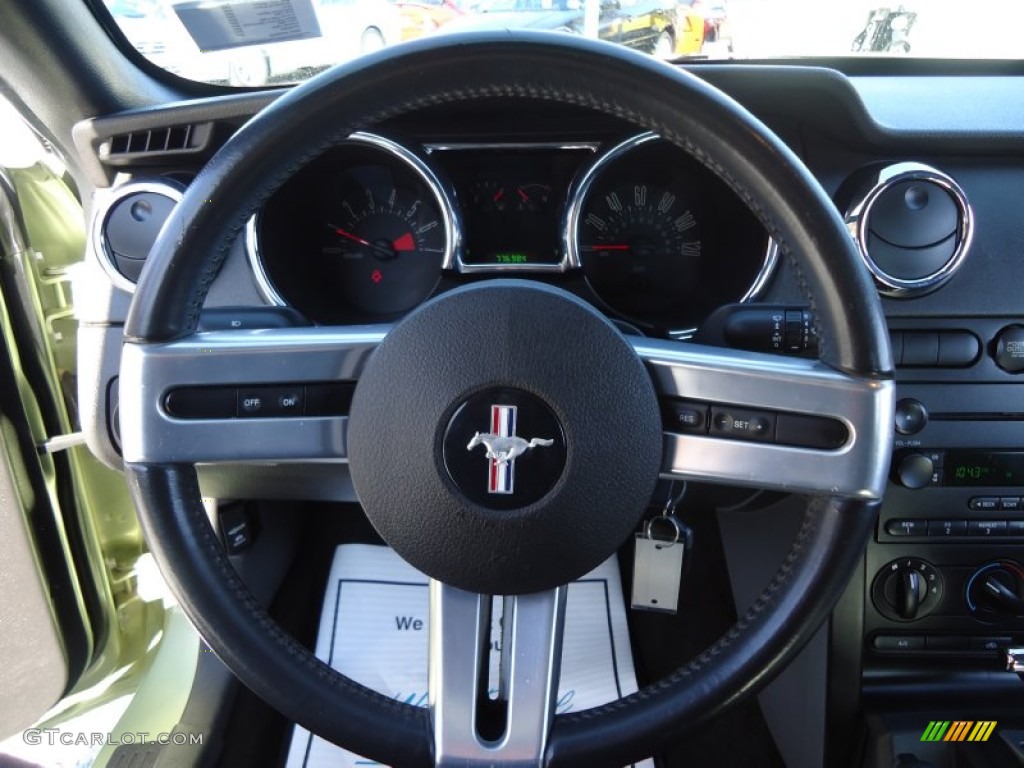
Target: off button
<point>262,402</point>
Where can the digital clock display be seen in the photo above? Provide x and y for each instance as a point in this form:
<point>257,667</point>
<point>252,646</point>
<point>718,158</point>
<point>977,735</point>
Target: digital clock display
<point>984,468</point>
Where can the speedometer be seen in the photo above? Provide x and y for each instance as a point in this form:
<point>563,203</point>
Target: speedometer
<point>663,242</point>
<point>637,237</point>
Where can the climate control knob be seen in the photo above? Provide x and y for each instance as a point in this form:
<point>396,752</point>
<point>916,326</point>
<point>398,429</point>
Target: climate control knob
<point>996,590</point>
<point>907,589</point>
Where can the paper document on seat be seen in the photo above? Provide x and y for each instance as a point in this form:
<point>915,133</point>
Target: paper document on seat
<point>374,630</point>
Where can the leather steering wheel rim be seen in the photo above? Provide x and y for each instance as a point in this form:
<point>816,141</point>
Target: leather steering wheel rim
<point>298,127</point>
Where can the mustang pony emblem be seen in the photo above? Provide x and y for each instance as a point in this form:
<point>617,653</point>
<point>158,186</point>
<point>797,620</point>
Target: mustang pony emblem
<point>503,447</point>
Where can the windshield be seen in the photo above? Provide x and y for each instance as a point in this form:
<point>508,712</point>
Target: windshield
<point>259,42</point>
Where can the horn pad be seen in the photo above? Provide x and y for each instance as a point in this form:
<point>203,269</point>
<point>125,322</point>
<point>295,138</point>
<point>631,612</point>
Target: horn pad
<point>504,438</point>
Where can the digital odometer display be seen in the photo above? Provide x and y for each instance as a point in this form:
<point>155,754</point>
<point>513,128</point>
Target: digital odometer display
<point>512,199</point>
<point>984,468</point>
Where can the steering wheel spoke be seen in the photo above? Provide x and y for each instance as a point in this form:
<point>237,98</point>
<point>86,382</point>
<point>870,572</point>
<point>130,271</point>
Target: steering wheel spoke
<point>768,421</point>
<point>243,395</point>
<point>531,653</point>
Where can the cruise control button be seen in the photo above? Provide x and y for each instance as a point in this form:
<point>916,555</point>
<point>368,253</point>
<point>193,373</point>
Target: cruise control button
<point>907,527</point>
<point>986,527</point>
<point>742,424</point>
<point>947,528</point>
<point>685,417</point>
<point>288,401</point>
<point>251,402</point>
<point>261,402</point>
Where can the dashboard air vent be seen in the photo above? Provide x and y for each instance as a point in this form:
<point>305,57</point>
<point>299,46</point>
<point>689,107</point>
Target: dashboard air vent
<point>125,225</point>
<point>913,227</point>
<point>163,140</point>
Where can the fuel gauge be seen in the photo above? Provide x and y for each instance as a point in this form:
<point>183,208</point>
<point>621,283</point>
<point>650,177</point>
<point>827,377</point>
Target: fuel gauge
<point>532,198</point>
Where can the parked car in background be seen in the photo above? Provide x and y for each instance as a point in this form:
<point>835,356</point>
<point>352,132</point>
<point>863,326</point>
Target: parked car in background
<point>691,31</point>
<point>347,28</point>
<point>422,17</point>
<point>715,21</point>
<point>159,30</point>
<point>155,32</point>
<point>652,26</point>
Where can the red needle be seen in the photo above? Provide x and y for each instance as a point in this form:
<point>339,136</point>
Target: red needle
<point>526,197</point>
<point>501,194</point>
<point>404,243</point>
<point>352,237</point>
<point>603,247</point>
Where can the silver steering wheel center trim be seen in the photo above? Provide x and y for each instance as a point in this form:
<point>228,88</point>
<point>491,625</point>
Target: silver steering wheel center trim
<point>531,653</point>
<point>299,356</point>
<point>857,469</point>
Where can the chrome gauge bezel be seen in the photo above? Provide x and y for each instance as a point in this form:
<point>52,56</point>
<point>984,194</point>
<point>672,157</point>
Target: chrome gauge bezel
<point>442,194</point>
<point>579,192</point>
<point>858,216</point>
<point>104,203</point>
<point>458,264</point>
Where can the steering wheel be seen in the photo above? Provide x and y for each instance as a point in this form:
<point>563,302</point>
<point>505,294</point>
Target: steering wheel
<point>592,393</point>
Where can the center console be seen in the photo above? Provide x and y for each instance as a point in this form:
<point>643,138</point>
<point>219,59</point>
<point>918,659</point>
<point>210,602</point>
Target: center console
<point>944,581</point>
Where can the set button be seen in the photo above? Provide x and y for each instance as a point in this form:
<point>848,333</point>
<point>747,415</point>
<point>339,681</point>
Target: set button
<point>737,423</point>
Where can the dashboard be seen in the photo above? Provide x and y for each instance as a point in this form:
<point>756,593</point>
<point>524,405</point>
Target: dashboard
<point>376,226</point>
<point>414,207</point>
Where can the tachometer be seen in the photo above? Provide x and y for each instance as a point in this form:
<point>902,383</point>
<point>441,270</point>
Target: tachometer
<point>385,239</point>
<point>359,235</point>
<point>662,241</point>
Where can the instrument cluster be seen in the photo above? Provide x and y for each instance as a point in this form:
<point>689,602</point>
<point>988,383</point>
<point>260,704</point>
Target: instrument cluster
<point>374,227</point>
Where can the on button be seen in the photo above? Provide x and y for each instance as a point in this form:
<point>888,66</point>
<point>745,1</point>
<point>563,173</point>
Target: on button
<point>261,402</point>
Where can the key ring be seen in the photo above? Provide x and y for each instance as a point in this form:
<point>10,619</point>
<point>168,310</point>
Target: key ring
<point>671,520</point>
<point>673,499</point>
